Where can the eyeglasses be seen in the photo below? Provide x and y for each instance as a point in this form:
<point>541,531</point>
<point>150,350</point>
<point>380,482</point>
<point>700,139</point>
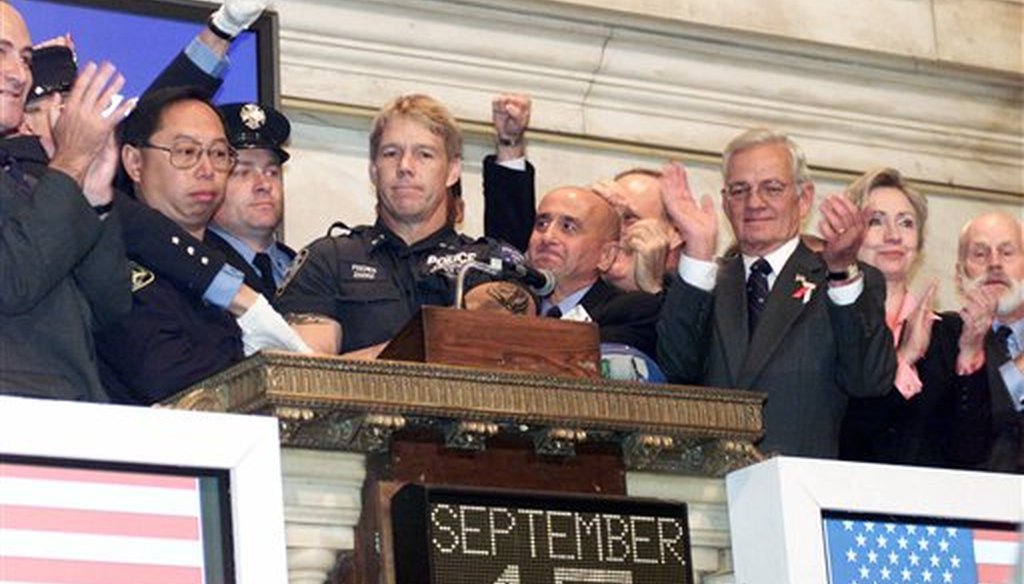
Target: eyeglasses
<point>769,189</point>
<point>185,153</point>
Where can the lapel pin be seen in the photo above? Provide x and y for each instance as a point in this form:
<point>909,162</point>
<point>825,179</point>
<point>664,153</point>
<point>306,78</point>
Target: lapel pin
<point>805,290</point>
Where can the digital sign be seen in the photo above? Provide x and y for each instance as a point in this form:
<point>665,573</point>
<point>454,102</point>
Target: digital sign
<point>444,535</point>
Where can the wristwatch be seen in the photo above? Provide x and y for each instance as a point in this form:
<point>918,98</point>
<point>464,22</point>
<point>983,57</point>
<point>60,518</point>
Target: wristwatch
<point>104,208</point>
<point>851,272</point>
<point>216,30</point>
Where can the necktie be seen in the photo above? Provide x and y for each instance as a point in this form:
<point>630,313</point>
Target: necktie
<point>554,312</point>
<point>757,291</point>
<point>262,263</point>
<point>1000,344</point>
<point>998,352</point>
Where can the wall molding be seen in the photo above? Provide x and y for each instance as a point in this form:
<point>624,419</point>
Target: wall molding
<point>664,84</point>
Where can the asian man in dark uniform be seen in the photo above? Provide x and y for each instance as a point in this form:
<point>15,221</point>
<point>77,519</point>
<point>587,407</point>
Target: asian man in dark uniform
<point>148,234</point>
<point>175,151</point>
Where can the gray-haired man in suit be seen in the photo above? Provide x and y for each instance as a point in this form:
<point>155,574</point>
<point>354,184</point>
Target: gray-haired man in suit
<point>805,327</point>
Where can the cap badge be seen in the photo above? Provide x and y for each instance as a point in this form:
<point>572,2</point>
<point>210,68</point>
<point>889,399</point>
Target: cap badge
<point>252,116</point>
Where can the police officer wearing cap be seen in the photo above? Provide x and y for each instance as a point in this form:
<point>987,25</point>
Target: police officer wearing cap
<point>245,224</point>
<point>176,152</point>
<point>371,280</point>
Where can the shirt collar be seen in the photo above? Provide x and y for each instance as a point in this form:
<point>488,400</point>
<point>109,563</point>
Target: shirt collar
<point>907,307</point>
<point>279,258</point>
<point>1016,327</point>
<point>384,234</point>
<point>237,244</point>
<point>776,259</point>
<point>567,303</point>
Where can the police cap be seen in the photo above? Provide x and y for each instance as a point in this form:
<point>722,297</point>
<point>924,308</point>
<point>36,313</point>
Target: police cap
<point>250,125</point>
<point>53,69</point>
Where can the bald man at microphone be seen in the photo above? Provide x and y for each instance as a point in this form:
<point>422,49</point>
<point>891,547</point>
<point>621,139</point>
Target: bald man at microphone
<point>575,237</point>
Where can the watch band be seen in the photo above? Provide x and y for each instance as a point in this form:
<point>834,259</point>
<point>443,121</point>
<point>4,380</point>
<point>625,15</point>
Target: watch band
<point>104,208</point>
<point>851,272</point>
<point>217,31</point>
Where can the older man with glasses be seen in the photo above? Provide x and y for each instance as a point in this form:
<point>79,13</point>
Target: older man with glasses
<point>176,153</point>
<point>805,327</point>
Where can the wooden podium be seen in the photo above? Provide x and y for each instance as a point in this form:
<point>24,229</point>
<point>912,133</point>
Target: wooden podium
<point>485,426</point>
<point>499,341</point>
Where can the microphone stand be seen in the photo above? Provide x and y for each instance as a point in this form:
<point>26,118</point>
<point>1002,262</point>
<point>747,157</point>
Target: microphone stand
<point>493,269</point>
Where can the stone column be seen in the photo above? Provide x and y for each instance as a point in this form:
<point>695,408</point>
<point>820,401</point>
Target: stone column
<point>709,519</point>
<point>322,502</point>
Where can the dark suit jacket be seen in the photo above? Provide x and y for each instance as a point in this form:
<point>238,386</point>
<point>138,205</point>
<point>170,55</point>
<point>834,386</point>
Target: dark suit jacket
<point>510,205</point>
<point>807,357</point>
<point>624,317</point>
<point>946,425</point>
<point>1006,453</point>
<point>62,275</point>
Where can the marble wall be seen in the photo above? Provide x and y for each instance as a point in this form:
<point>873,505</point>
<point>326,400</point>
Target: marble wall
<point>933,87</point>
<point>327,182</point>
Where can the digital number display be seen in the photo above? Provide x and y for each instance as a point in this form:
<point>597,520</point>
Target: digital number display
<point>455,536</point>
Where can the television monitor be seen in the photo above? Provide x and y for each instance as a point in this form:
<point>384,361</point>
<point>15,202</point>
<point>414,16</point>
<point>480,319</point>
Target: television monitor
<point>142,36</point>
<point>100,493</point>
<point>808,520</point>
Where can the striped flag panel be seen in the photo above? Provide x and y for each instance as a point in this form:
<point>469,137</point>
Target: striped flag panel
<point>82,526</point>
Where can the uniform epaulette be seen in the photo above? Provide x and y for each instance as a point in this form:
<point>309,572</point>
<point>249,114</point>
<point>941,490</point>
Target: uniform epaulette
<point>297,264</point>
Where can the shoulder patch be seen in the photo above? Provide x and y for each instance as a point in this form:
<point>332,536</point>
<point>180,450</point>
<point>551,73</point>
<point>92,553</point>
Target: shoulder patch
<point>141,277</point>
<point>300,259</point>
<point>510,253</point>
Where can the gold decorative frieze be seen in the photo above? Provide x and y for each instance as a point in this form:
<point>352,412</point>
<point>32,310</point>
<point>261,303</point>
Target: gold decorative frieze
<point>335,403</point>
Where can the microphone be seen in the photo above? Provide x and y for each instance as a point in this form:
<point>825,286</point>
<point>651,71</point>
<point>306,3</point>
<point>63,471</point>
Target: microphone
<point>541,282</point>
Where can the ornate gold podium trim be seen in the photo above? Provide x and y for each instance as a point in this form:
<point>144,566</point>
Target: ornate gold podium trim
<point>335,403</point>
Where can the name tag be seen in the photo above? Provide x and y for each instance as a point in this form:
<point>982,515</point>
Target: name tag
<point>363,272</point>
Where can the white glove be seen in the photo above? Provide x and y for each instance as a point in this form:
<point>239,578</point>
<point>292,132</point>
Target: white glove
<point>234,16</point>
<point>263,328</point>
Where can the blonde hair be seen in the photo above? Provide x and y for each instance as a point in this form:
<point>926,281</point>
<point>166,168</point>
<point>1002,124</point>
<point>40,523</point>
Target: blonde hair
<point>860,189</point>
<point>424,109</point>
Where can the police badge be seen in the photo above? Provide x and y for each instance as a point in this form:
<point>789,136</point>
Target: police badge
<point>252,116</point>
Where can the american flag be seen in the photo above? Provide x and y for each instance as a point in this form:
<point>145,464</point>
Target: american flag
<point>79,526</point>
<point>892,551</point>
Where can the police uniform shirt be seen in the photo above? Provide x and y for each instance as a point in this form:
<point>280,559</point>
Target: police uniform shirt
<point>169,341</point>
<point>372,283</point>
<point>280,256</point>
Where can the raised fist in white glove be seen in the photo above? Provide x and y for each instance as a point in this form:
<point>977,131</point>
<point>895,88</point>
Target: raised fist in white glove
<point>234,16</point>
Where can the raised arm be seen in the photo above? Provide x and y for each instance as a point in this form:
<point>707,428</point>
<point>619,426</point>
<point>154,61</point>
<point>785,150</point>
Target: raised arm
<point>509,186</point>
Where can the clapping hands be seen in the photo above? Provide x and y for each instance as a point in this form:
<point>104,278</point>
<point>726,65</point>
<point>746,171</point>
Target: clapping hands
<point>697,224</point>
